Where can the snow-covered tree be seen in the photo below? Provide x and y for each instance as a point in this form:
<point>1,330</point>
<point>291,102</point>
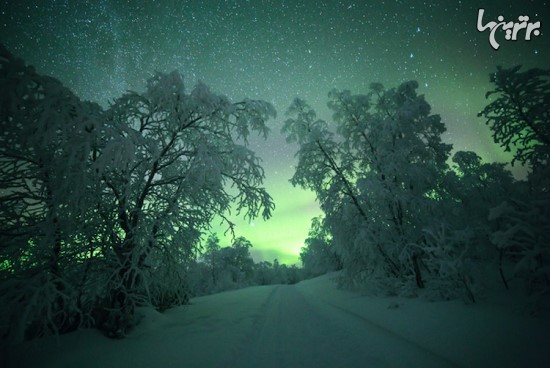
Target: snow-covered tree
<point>322,169</point>
<point>379,183</point>
<point>166,167</point>
<point>242,261</point>
<point>211,256</point>
<point>46,192</point>
<point>519,115</point>
<point>103,210</point>
<point>519,119</point>
<point>318,255</point>
<point>473,188</point>
<point>396,145</point>
<point>263,273</point>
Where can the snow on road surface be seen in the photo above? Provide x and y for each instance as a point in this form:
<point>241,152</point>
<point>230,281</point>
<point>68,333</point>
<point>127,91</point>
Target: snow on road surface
<point>296,331</point>
<point>311,324</point>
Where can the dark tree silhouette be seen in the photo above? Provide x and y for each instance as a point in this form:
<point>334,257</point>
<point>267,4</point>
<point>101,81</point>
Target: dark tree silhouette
<point>519,117</point>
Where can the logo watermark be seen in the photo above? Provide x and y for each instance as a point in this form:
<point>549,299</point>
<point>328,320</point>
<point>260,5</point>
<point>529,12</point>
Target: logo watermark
<point>512,28</point>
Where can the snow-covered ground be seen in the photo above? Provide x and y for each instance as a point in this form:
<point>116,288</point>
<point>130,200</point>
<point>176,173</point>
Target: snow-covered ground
<point>311,324</point>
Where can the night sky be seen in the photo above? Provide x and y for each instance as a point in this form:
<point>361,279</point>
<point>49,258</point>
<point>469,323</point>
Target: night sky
<point>277,50</point>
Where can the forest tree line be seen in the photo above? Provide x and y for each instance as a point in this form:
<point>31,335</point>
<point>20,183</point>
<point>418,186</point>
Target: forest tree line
<point>105,210</point>
<point>404,217</point>
<point>232,267</point>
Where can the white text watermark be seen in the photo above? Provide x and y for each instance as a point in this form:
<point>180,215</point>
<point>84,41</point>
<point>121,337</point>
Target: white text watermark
<point>512,29</point>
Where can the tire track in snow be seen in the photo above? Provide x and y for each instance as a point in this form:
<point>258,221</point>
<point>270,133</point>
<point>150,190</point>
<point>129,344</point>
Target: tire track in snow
<point>249,337</point>
<point>373,325</point>
<point>297,329</point>
<point>291,332</point>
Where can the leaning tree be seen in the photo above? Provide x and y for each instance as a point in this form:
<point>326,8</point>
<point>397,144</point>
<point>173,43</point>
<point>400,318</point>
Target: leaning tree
<point>378,180</point>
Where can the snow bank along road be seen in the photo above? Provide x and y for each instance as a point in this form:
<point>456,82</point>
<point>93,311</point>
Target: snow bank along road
<point>311,324</point>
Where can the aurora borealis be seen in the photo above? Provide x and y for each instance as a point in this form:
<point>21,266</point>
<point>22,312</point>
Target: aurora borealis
<point>275,51</point>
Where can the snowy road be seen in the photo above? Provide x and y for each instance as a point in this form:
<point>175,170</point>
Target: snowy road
<point>311,324</point>
<point>294,330</point>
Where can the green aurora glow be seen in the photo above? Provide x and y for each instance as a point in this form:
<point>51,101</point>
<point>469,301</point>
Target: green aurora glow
<point>277,50</point>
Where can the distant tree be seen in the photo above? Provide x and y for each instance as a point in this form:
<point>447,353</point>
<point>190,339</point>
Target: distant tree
<point>277,277</point>
<point>318,255</point>
<point>294,274</point>
<point>200,278</point>
<point>211,256</point>
<point>229,267</point>
<point>235,265</point>
<point>242,259</point>
<point>263,273</point>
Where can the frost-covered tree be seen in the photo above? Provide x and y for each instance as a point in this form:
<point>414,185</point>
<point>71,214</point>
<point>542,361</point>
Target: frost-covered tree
<point>379,182</point>
<point>242,261</point>
<point>211,256</point>
<point>395,144</point>
<point>263,273</point>
<point>321,168</point>
<point>473,188</point>
<point>166,166</point>
<point>519,115</point>
<point>318,254</point>
<point>46,192</point>
<point>235,266</point>
<point>103,210</point>
<point>519,119</point>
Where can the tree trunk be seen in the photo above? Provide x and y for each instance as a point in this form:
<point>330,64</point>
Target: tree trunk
<point>417,272</point>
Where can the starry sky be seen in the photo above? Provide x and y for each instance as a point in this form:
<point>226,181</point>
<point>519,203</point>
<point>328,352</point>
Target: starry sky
<point>276,51</point>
